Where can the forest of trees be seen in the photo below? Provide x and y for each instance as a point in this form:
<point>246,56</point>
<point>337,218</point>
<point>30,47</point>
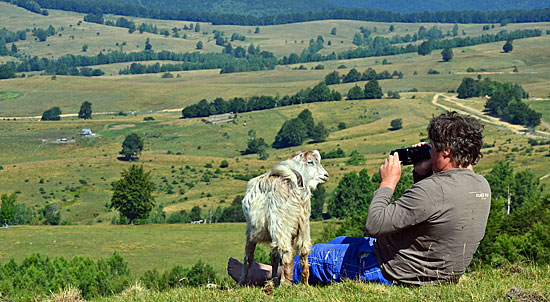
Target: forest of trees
<point>236,18</point>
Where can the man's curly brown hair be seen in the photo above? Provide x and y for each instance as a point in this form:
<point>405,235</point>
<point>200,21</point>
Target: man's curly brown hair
<point>460,134</point>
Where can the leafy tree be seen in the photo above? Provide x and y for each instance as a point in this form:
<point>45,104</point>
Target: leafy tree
<point>352,195</point>
<point>13,48</point>
<point>333,31</point>
<point>257,30</point>
<point>392,28</point>
<point>132,146</point>
<point>396,124</point>
<point>50,214</point>
<point>356,93</point>
<point>332,78</point>
<point>195,213</point>
<point>447,54</point>
<point>6,72</point>
<point>255,145</point>
<point>352,76</point>
<point>85,110</point>
<point>292,133</point>
<point>85,48</point>
<point>373,90</point>
<point>8,208</point>
<point>52,114</point>
<point>148,45</point>
<point>342,126</point>
<point>307,118</point>
<point>224,164</point>
<point>357,39</point>
<point>425,48</point>
<point>455,30</point>
<point>132,194</point>
<point>318,197</point>
<point>466,89</point>
<point>508,47</point>
<point>319,133</point>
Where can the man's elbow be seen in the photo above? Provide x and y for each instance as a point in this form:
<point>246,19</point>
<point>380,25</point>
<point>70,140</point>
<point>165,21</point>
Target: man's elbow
<point>371,229</point>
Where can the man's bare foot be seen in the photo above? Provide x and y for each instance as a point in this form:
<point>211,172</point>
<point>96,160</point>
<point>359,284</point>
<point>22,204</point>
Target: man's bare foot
<point>258,274</point>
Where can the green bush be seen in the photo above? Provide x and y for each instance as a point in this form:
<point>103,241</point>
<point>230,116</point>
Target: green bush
<point>38,276</point>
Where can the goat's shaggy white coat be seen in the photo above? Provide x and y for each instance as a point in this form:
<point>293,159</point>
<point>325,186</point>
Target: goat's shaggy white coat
<point>277,206</point>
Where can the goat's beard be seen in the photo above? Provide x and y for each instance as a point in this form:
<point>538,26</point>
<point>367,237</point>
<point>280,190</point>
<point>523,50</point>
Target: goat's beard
<point>314,183</point>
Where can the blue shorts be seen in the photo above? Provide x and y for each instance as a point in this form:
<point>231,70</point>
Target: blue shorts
<point>342,258</point>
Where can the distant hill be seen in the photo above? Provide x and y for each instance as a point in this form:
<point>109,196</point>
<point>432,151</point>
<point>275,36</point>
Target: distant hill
<point>240,7</point>
<point>273,7</point>
<point>405,6</point>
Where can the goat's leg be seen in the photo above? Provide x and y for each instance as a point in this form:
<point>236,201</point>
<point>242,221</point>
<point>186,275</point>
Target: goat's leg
<point>305,249</point>
<point>248,259</point>
<point>275,258</point>
<point>288,267</point>
<point>305,266</point>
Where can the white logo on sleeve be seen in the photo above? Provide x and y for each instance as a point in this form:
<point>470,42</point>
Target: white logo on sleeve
<point>480,195</point>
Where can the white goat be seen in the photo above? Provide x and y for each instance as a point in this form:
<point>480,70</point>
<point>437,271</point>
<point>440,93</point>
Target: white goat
<point>277,206</point>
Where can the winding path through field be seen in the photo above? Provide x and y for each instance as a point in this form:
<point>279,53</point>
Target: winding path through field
<point>461,108</point>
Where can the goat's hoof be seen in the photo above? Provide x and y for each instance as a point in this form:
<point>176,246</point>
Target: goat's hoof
<point>268,288</point>
<point>275,281</point>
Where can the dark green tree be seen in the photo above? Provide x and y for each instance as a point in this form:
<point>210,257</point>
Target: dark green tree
<point>292,133</point>
<point>319,133</point>
<point>195,213</point>
<point>318,197</point>
<point>13,48</point>
<point>307,118</point>
<point>132,146</point>
<point>392,28</point>
<point>52,114</point>
<point>352,76</point>
<point>467,88</point>
<point>352,195</point>
<point>333,31</point>
<point>197,27</point>
<point>148,45</point>
<point>133,194</point>
<point>257,30</point>
<point>8,209</point>
<point>199,45</point>
<point>85,110</point>
<point>50,214</point>
<point>373,90</point>
<point>357,39</point>
<point>447,54</point>
<point>396,124</point>
<point>356,93</point>
<point>508,47</point>
<point>332,78</point>
<point>425,48</point>
<point>6,72</point>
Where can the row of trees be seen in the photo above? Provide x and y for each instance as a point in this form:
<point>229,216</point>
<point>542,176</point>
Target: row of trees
<point>236,18</point>
<point>354,76</point>
<point>505,100</point>
<point>319,93</point>
<point>381,46</point>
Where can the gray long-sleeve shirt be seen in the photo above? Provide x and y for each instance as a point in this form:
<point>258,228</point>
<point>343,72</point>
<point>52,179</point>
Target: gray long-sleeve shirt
<point>430,234</point>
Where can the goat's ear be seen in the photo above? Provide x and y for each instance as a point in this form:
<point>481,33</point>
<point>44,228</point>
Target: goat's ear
<point>299,178</point>
<point>317,154</point>
<point>297,155</point>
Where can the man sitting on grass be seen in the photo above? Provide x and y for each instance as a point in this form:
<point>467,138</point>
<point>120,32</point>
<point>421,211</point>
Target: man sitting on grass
<point>427,236</point>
